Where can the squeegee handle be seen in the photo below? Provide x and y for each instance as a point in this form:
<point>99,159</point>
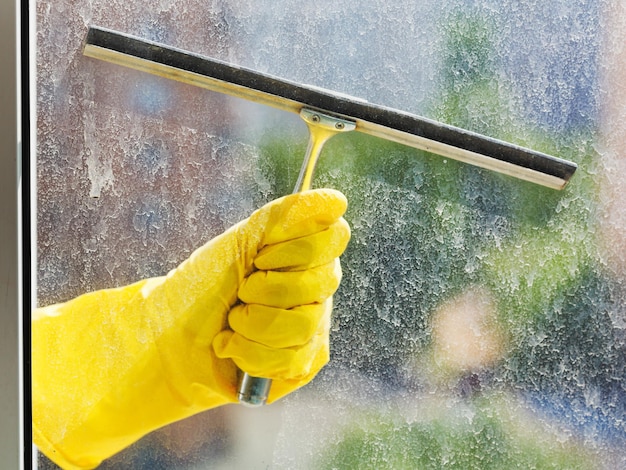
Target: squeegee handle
<point>254,391</point>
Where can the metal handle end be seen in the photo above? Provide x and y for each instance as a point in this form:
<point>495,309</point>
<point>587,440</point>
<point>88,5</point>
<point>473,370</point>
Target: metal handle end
<point>253,391</point>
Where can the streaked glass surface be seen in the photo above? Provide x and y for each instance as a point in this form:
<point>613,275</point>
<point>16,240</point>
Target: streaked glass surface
<point>481,320</point>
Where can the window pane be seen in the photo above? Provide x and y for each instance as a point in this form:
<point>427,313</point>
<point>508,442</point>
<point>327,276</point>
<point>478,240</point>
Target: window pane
<point>480,321</point>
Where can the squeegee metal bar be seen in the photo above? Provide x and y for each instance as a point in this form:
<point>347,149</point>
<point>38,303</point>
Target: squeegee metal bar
<point>379,121</point>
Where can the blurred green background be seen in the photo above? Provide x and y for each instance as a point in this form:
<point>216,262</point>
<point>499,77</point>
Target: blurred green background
<point>427,229</point>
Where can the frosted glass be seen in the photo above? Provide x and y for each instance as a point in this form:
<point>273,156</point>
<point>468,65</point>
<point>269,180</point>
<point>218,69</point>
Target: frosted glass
<point>481,320</point>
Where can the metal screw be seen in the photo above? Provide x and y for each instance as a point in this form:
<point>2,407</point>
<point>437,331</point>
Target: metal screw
<point>315,118</point>
<point>339,125</point>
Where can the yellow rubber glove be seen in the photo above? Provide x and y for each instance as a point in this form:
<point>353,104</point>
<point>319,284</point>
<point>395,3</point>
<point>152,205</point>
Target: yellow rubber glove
<point>110,366</point>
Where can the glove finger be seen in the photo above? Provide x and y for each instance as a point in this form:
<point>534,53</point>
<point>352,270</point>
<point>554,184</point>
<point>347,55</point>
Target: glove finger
<point>291,288</point>
<point>299,214</point>
<point>279,328</point>
<point>282,364</point>
<point>283,387</point>
<point>306,252</point>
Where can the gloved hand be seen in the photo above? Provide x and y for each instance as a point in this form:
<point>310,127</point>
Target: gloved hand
<point>110,366</point>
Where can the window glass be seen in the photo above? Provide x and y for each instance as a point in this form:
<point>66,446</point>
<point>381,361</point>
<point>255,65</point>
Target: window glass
<point>481,320</point>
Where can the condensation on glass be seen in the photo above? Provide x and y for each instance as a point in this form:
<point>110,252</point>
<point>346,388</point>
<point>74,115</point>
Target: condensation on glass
<point>481,320</point>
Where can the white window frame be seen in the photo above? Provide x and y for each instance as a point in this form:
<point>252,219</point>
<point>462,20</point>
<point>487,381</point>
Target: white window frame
<point>15,442</point>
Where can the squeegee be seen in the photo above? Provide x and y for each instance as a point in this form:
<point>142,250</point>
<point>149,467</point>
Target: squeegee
<point>326,114</point>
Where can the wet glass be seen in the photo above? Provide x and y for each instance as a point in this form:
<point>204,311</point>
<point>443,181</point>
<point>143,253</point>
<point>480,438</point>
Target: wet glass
<point>481,319</point>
